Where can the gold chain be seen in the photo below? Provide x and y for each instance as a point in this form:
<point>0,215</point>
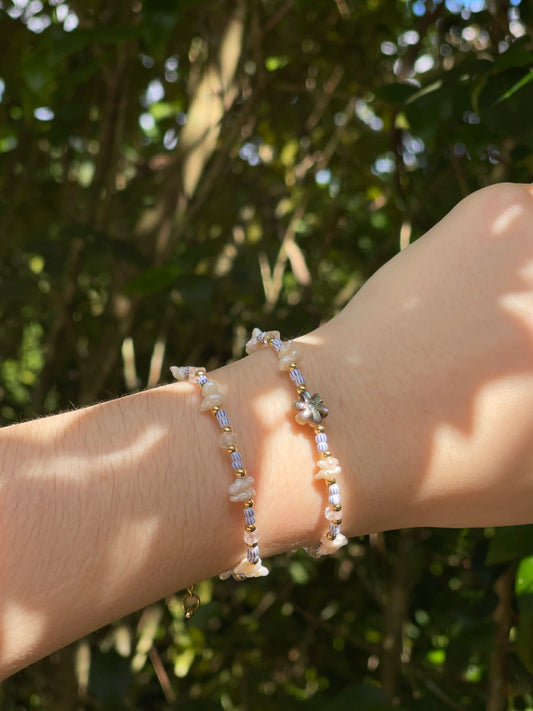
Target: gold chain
<point>190,602</point>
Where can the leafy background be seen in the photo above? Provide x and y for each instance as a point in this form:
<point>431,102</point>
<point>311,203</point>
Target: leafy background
<point>174,173</point>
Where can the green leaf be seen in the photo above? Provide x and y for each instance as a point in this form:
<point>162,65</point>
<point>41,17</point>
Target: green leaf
<point>510,543</point>
<point>516,56</point>
<point>504,103</point>
<point>362,697</point>
<point>524,597</point>
<point>396,93</point>
<point>110,676</point>
<point>274,63</point>
<point>516,87</point>
<point>153,280</point>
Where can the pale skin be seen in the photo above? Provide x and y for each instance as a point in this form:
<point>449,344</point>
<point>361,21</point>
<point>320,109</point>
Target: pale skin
<point>428,374</point>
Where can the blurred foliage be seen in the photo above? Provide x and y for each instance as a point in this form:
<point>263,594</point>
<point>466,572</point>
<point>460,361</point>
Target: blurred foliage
<point>175,173</point>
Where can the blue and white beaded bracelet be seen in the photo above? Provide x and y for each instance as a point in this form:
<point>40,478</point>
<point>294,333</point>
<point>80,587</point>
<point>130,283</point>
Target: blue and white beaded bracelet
<point>310,411</point>
<point>241,490</point>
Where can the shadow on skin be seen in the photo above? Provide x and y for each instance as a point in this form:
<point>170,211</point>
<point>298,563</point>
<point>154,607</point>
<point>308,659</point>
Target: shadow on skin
<point>438,350</point>
<point>428,374</point>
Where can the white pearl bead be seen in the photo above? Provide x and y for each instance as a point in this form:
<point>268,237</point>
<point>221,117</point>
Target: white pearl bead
<point>211,401</point>
<point>227,439</point>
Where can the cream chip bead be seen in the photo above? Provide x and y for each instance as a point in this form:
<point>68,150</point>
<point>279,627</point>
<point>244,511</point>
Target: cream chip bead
<point>270,335</point>
<point>293,356</point>
<point>247,569</point>
<point>332,515</point>
<point>287,347</point>
<point>328,473</point>
<point>253,344</point>
<point>211,401</point>
<point>241,489</point>
<point>179,372</point>
<point>210,388</point>
<point>251,537</point>
<point>185,372</point>
<point>328,463</point>
<point>329,546</point>
<point>227,439</point>
<point>192,374</point>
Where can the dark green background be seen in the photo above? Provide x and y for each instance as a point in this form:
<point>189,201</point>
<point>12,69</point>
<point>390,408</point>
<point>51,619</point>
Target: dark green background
<point>342,130</point>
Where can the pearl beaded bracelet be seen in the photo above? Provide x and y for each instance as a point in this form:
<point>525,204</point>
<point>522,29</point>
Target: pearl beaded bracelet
<point>241,490</point>
<point>311,411</point>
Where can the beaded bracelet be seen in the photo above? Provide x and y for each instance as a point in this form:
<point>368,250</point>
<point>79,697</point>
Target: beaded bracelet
<point>241,490</point>
<point>311,411</point>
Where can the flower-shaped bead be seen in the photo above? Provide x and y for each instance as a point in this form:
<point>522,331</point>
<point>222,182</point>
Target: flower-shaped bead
<point>311,409</point>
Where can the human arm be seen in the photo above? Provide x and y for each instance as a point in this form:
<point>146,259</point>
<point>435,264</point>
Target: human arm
<point>428,377</point>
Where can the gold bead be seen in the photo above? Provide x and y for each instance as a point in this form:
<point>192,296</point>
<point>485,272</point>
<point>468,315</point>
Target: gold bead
<point>252,545</point>
<point>337,507</point>
<point>319,429</point>
<point>301,389</point>
<point>199,373</point>
<point>251,528</point>
<point>215,409</point>
<point>327,454</point>
<point>232,448</point>
<point>249,504</point>
<point>331,538</point>
<point>240,473</point>
<point>292,366</point>
<point>330,482</point>
<point>227,428</point>
<point>337,522</point>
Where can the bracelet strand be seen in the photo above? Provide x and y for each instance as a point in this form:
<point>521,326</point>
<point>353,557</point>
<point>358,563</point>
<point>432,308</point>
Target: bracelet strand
<point>310,411</point>
<point>241,490</point>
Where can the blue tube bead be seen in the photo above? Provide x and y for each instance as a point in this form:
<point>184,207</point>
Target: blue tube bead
<point>253,554</point>
<point>321,437</point>
<point>334,500</point>
<point>236,460</point>
<point>202,380</point>
<point>249,517</point>
<point>223,419</point>
<point>322,446</point>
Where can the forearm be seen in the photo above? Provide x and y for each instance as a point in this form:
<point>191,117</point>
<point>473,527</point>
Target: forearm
<point>109,508</point>
<point>428,374</point>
